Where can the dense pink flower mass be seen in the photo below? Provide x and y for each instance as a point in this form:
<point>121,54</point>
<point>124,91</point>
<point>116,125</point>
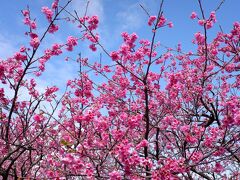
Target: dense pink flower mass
<point>53,28</point>
<point>34,42</point>
<point>48,13</point>
<point>142,111</point>
<point>71,42</point>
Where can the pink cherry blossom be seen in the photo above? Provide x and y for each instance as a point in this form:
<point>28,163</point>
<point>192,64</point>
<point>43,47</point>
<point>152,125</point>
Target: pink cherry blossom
<point>35,42</point>
<point>161,22</point>
<point>151,20</point>
<point>53,28</point>
<point>170,25</point>
<point>48,13</point>
<point>218,168</point>
<point>137,110</point>
<point>193,15</point>
<point>55,4</point>
<point>71,42</point>
<point>201,22</point>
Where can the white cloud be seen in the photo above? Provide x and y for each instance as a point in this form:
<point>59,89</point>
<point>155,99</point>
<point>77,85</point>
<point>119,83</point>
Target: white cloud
<point>6,47</point>
<point>131,18</point>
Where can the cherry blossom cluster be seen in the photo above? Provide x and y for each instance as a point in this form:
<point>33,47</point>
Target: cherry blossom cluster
<point>148,112</point>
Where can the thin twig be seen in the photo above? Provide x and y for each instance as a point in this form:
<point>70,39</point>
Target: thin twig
<point>220,5</point>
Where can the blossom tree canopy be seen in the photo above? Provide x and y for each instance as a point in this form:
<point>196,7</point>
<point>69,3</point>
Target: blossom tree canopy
<point>142,110</point>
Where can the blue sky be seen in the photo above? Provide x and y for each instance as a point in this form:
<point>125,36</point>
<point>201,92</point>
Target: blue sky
<point>115,17</point>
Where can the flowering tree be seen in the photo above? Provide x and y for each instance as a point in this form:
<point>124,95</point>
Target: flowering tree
<point>158,112</point>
